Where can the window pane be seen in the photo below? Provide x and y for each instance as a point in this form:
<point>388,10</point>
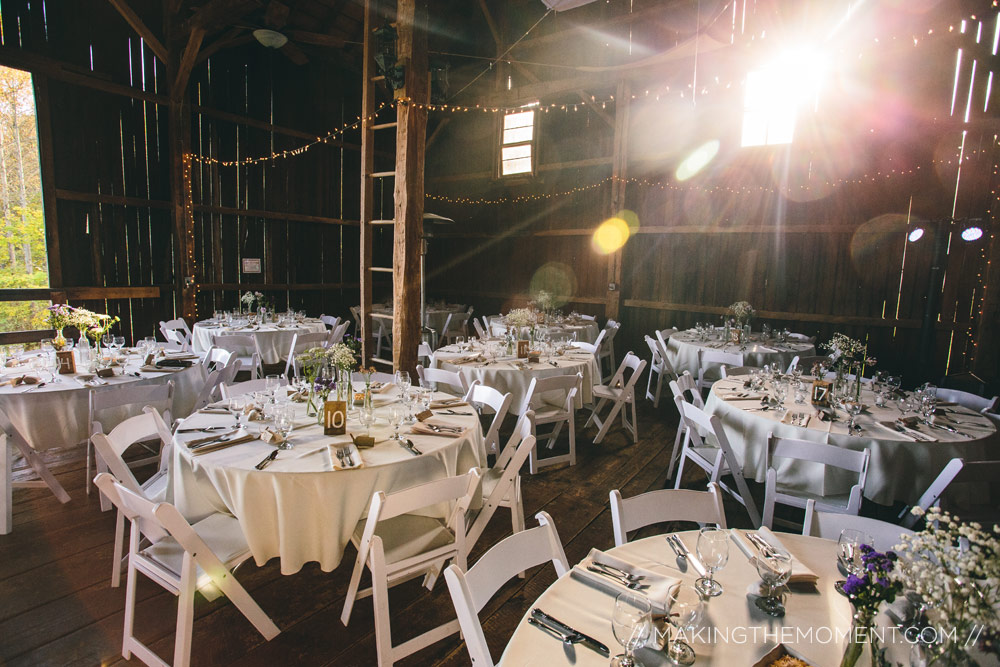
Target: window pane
<point>781,126</point>
<point>518,134</point>
<point>520,119</point>
<point>518,166</point>
<point>754,129</point>
<point>511,152</point>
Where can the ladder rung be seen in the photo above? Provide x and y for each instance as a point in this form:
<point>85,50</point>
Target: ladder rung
<point>380,77</point>
<point>382,174</point>
<point>381,269</point>
<point>384,126</point>
<point>379,360</point>
<point>383,222</point>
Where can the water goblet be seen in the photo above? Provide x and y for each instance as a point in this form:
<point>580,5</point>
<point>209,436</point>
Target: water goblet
<point>686,609</point>
<point>631,623</point>
<point>283,424</point>
<point>408,398</point>
<point>271,383</point>
<point>395,418</point>
<point>237,405</point>
<point>774,569</point>
<point>713,550</point>
<point>402,380</point>
<point>849,553</point>
<point>854,409</point>
<point>366,415</point>
<point>460,342</point>
<point>800,392</point>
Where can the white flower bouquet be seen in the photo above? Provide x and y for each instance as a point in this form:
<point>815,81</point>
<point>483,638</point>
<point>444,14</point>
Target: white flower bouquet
<point>521,317</point>
<point>742,312</point>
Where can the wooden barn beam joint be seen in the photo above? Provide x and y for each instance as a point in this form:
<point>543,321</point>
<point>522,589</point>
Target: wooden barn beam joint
<point>137,24</point>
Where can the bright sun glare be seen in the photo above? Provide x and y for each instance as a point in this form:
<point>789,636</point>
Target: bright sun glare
<point>776,92</point>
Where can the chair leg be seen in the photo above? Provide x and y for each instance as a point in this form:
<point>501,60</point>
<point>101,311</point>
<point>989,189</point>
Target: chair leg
<point>593,414</point>
<point>116,558</point>
<point>90,478</point>
<point>129,610</point>
<point>675,454</point>
<point>659,388</point>
<point>7,493</point>
<point>680,467</point>
<point>615,409</point>
<point>185,614</point>
<point>380,602</point>
<point>635,424</point>
<point>352,591</point>
<point>554,435</point>
<point>572,446</point>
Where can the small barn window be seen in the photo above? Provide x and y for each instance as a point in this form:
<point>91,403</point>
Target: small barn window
<point>517,143</point>
<point>768,111</point>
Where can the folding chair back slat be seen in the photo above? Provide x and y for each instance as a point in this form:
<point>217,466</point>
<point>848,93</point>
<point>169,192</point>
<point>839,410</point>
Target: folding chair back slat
<point>663,505</point>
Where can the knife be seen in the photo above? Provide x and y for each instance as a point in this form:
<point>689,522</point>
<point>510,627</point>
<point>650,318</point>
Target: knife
<point>585,640</point>
<point>409,445</point>
<point>690,557</point>
<point>267,460</point>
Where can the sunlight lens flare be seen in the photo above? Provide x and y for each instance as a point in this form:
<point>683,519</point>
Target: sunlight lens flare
<point>972,233</point>
<point>916,235</point>
<point>776,92</point>
<point>697,160</point>
<point>610,236</point>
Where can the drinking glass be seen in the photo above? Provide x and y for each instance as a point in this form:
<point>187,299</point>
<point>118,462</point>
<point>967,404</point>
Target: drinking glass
<point>402,380</point>
<point>366,415</point>
<point>118,342</point>
<point>800,392</point>
<point>408,398</point>
<point>395,418</point>
<point>283,420</point>
<point>894,382</point>
<point>271,383</point>
<point>686,609</point>
<point>774,569</point>
<point>713,550</point>
<point>849,552</point>
<point>854,410</point>
<point>797,372</point>
<point>460,342</point>
<point>237,405</point>
<point>632,624</point>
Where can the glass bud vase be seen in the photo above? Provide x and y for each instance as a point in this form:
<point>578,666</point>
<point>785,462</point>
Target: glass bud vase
<point>345,390</point>
<point>862,639</point>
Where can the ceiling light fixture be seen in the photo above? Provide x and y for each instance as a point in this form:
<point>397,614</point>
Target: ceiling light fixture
<point>272,39</point>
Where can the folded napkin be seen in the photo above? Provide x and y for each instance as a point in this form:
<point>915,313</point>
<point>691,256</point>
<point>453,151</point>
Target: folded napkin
<point>447,403</point>
<point>794,417</point>
<point>237,439</point>
<point>800,573</point>
<point>174,363</point>
<point>148,368</point>
<point>338,464</point>
<point>19,380</point>
<point>465,359</point>
<point>660,585</point>
<point>215,411</point>
<point>423,428</point>
<point>381,387</point>
<point>766,350</point>
<point>737,397</point>
<point>181,355</point>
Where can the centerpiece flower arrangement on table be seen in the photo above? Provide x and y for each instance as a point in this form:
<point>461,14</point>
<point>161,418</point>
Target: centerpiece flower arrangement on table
<point>867,592</point>
<point>954,568</point>
<point>741,313</point>
<point>94,325</point>
<point>545,302</point>
<point>849,356</point>
<point>517,321</point>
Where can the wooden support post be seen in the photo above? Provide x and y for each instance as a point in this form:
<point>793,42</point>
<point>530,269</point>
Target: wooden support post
<point>411,141</point>
<point>46,155</point>
<point>367,182</point>
<point>619,172</point>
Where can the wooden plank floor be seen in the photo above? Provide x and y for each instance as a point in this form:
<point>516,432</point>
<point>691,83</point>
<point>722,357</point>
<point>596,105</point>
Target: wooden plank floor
<point>57,607</point>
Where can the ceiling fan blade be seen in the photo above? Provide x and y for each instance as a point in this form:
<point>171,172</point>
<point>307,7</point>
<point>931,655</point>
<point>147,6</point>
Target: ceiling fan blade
<point>294,53</point>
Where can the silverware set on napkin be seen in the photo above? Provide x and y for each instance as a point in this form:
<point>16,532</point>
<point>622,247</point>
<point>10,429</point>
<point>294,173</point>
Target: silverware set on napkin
<point>626,579</point>
<point>565,633</point>
<point>684,554</point>
<point>345,457</point>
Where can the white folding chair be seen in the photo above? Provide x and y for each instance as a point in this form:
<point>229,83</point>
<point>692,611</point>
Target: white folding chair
<point>11,437</point>
<point>588,317</point>
<point>382,327</point>
<point>664,505</point>
<point>455,382</point>
<point>425,354</point>
<point>181,558</point>
<point>330,321</point>
<point>109,406</point>
<point>338,333</point>
<point>302,342</point>
<point>707,446</point>
<point>956,472</point>
<point>972,401</point>
<point>801,338</point>
<point>238,344</point>
<point>686,388</point>
<point>228,390</point>
<point>481,395</point>
<point>177,334</point>
<point>607,351</point>
<point>827,455</point>
<point>216,358</point>
<point>456,325</point>
<point>621,393</point>
<point>480,331</point>
<point>110,449</point>
<point>661,367</point>
<point>502,482</point>
<point>397,544</point>
<point>712,365</point>
<point>210,390</point>
<point>553,400</point>
<point>792,364</point>
<point>593,348</point>
<point>829,524</point>
<point>356,316</point>
<point>470,591</point>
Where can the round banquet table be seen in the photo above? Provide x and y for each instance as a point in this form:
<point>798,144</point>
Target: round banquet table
<point>299,508</point>
<point>683,346</point>
<point>274,340</point>
<point>586,330</point>
<point>900,468</point>
<point>742,634</point>
<point>57,414</point>
<point>509,374</point>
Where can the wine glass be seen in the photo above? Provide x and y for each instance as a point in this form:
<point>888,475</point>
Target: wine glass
<point>366,415</point>
<point>408,397</point>
<point>632,624</point>
<point>271,383</point>
<point>849,553</point>
<point>118,342</point>
<point>774,569</point>
<point>402,380</point>
<point>854,409</point>
<point>395,418</point>
<point>686,609</point>
<point>713,550</point>
<point>283,424</point>
<point>237,405</point>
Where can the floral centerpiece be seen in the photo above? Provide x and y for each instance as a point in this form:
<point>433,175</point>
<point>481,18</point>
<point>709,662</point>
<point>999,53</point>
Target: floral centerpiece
<point>519,319</point>
<point>249,298</point>
<point>313,362</point>
<point>955,568</point>
<point>741,313</point>
<point>867,592</point>
<point>343,357</point>
<point>94,325</point>
<point>849,355</point>
<point>544,301</point>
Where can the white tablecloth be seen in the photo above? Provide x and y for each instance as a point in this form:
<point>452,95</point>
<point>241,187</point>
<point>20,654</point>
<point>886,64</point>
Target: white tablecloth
<point>56,415</point>
<point>274,341</point>
<point>299,508</point>
<point>586,330</point>
<point>751,634</point>
<point>504,376</point>
<point>899,470</point>
<point>683,346</point>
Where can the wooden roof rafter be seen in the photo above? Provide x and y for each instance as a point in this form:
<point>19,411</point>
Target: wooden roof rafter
<point>137,24</point>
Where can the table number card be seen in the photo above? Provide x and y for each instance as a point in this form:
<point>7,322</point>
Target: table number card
<point>334,417</point>
<point>522,348</point>
<point>65,362</point>
<point>821,392</point>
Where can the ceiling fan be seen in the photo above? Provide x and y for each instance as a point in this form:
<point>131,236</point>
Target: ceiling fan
<point>269,35</point>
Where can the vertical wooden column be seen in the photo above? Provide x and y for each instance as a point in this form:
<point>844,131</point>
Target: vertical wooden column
<point>411,139</point>
<point>619,172</point>
<point>46,152</point>
<point>367,183</point>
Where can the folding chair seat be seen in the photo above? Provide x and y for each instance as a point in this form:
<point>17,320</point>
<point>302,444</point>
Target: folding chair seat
<point>829,455</point>
<point>707,446</point>
<point>621,393</point>
<point>553,401</point>
<point>471,590</point>
<point>708,363</point>
<point>181,558</point>
<point>110,406</point>
<point>397,544</point>
<point>238,344</point>
<point>664,505</point>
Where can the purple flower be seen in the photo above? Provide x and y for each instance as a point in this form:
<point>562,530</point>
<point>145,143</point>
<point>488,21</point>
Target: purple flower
<point>854,585</point>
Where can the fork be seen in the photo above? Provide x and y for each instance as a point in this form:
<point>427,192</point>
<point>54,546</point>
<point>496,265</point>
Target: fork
<point>614,570</point>
<point>627,583</point>
<point>548,629</point>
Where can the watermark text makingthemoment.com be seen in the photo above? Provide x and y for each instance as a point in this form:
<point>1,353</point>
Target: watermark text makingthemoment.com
<point>822,635</point>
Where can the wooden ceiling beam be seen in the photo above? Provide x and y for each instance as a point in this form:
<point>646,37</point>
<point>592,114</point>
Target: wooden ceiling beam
<point>136,23</point>
<point>593,27</point>
<point>188,59</point>
<point>218,14</point>
<point>315,38</point>
<point>229,39</point>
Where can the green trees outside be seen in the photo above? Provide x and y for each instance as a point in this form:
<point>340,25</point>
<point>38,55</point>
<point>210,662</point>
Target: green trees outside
<point>23,261</point>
